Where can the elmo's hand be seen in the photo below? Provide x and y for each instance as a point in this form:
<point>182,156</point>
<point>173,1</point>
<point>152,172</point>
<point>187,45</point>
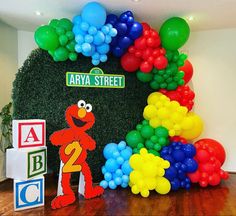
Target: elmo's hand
<point>62,137</point>
<point>87,142</point>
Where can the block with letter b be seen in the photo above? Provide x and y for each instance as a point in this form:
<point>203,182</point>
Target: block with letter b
<point>27,163</point>
<point>28,194</point>
<point>29,133</point>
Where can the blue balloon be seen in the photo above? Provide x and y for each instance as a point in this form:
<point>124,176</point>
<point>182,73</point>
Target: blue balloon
<point>121,146</point>
<point>103,170</point>
<point>120,160</point>
<point>136,30</point>
<point>121,28</point>
<point>178,155</point>
<point>124,185</point>
<point>105,29</point>
<point>96,56</point>
<point>108,176</point>
<point>118,52</point>
<point>109,148</point>
<point>78,48</point>
<point>94,13</point>
<point>103,58</point>
<point>112,19</point>
<point>111,165</point>
<point>126,168</point>
<point>118,180</point>
<point>108,39</point>
<point>77,31</point>
<point>92,30</point>
<point>115,154</point>
<point>77,20</point>
<point>99,38</point>
<point>124,42</point>
<point>126,154</point>
<point>86,47</point>
<point>129,13</point>
<point>84,26</point>
<point>95,62</point>
<point>103,49</point>
<point>130,21</point>
<point>104,184</point>
<point>114,41</point>
<point>189,150</point>
<point>125,179</point>
<point>175,184</point>
<point>112,185</point>
<point>171,173</point>
<point>119,173</point>
<point>123,17</point>
<point>88,38</point>
<point>89,53</point>
<point>79,39</point>
<point>191,165</point>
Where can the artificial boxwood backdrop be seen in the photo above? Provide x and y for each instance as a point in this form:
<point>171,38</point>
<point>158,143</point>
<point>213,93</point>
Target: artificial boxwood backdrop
<point>40,92</point>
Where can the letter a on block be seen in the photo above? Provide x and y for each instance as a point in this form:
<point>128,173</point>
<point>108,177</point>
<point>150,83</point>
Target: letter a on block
<point>29,133</point>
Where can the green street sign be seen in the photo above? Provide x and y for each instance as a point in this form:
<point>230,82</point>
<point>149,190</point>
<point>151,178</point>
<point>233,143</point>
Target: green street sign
<point>95,79</point>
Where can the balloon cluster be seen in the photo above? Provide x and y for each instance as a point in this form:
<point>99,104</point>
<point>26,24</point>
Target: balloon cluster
<point>183,94</point>
<point>187,68</point>
<point>92,36</point>
<point>147,174</point>
<point>117,169</point>
<point>148,137</point>
<point>58,39</point>
<point>146,52</point>
<point>127,31</point>
<point>210,157</point>
<point>181,161</point>
<point>160,111</point>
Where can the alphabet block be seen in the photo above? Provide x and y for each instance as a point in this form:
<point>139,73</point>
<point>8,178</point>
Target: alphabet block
<point>25,164</point>
<point>28,194</point>
<point>28,133</point>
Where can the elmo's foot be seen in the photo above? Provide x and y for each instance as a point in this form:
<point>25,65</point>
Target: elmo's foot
<point>61,201</point>
<point>94,192</point>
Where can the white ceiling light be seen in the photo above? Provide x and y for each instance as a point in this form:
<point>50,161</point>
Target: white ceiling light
<point>38,13</point>
<point>136,0</point>
<point>190,18</point>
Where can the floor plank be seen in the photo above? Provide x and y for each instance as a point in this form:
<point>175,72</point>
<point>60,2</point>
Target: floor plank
<point>220,200</point>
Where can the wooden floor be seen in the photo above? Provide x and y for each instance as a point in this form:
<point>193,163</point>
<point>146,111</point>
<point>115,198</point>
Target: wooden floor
<point>220,200</point>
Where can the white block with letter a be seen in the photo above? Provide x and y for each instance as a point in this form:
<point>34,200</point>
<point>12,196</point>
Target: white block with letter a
<point>28,194</point>
<point>26,163</point>
<point>29,133</point>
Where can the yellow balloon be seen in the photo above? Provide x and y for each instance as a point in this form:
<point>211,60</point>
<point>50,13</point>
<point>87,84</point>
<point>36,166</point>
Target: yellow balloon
<point>155,122</point>
<point>135,176</point>
<point>151,183</point>
<point>145,193</point>
<point>162,113</point>
<point>134,189</point>
<point>163,185</point>
<point>153,97</point>
<point>135,161</point>
<point>149,112</point>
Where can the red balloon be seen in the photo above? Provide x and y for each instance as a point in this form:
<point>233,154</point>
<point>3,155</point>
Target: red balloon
<point>140,43</point>
<point>194,177</point>
<point>161,62</point>
<point>218,149</point>
<point>130,62</point>
<point>188,71</point>
<point>145,26</point>
<point>214,179</point>
<point>145,67</point>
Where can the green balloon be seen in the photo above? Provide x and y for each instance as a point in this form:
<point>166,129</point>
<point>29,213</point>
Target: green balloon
<point>152,151</point>
<point>70,35</point>
<point>154,85</point>
<point>147,131</point>
<point>161,132</point>
<point>46,38</point>
<point>73,56</point>
<point>174,33</point>
<point>71,46</point>
<point>133,138</point>
<point>149,144</point>
<point>172,86</point>
<point>60,30</point>
<point>61,54</point>
<point>54,23</point>
<point>157,147</point>
<point>144,77</point>
<point>63,40</point>
<point>66,24</point>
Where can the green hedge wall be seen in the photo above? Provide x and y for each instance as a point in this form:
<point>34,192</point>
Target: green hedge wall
<point>39,91</point>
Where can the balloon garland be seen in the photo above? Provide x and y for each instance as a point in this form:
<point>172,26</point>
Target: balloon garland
<point>158,154</point>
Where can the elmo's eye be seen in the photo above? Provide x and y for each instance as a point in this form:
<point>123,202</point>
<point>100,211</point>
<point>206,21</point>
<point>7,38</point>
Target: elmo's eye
<point>89,107</point>
<point>81,103</point>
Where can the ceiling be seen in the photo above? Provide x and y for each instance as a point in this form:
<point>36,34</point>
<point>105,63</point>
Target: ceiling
<point>207,14</point>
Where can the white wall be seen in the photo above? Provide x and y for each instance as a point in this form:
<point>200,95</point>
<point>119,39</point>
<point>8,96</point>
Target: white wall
<point>213,55</point>
<point>26,44</point>
<point>8,61</point>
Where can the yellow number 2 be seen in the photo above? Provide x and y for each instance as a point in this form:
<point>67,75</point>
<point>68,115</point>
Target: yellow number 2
<point>69,166</point>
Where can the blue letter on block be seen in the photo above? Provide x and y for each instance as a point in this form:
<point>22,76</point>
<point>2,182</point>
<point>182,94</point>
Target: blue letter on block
<point>28,194</point>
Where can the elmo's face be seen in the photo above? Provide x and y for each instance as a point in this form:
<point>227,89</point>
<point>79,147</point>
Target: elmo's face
<point>80,116</point>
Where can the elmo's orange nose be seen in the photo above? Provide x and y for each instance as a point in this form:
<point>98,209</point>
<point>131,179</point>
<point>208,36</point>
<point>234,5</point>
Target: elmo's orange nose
<point>82,113</point>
